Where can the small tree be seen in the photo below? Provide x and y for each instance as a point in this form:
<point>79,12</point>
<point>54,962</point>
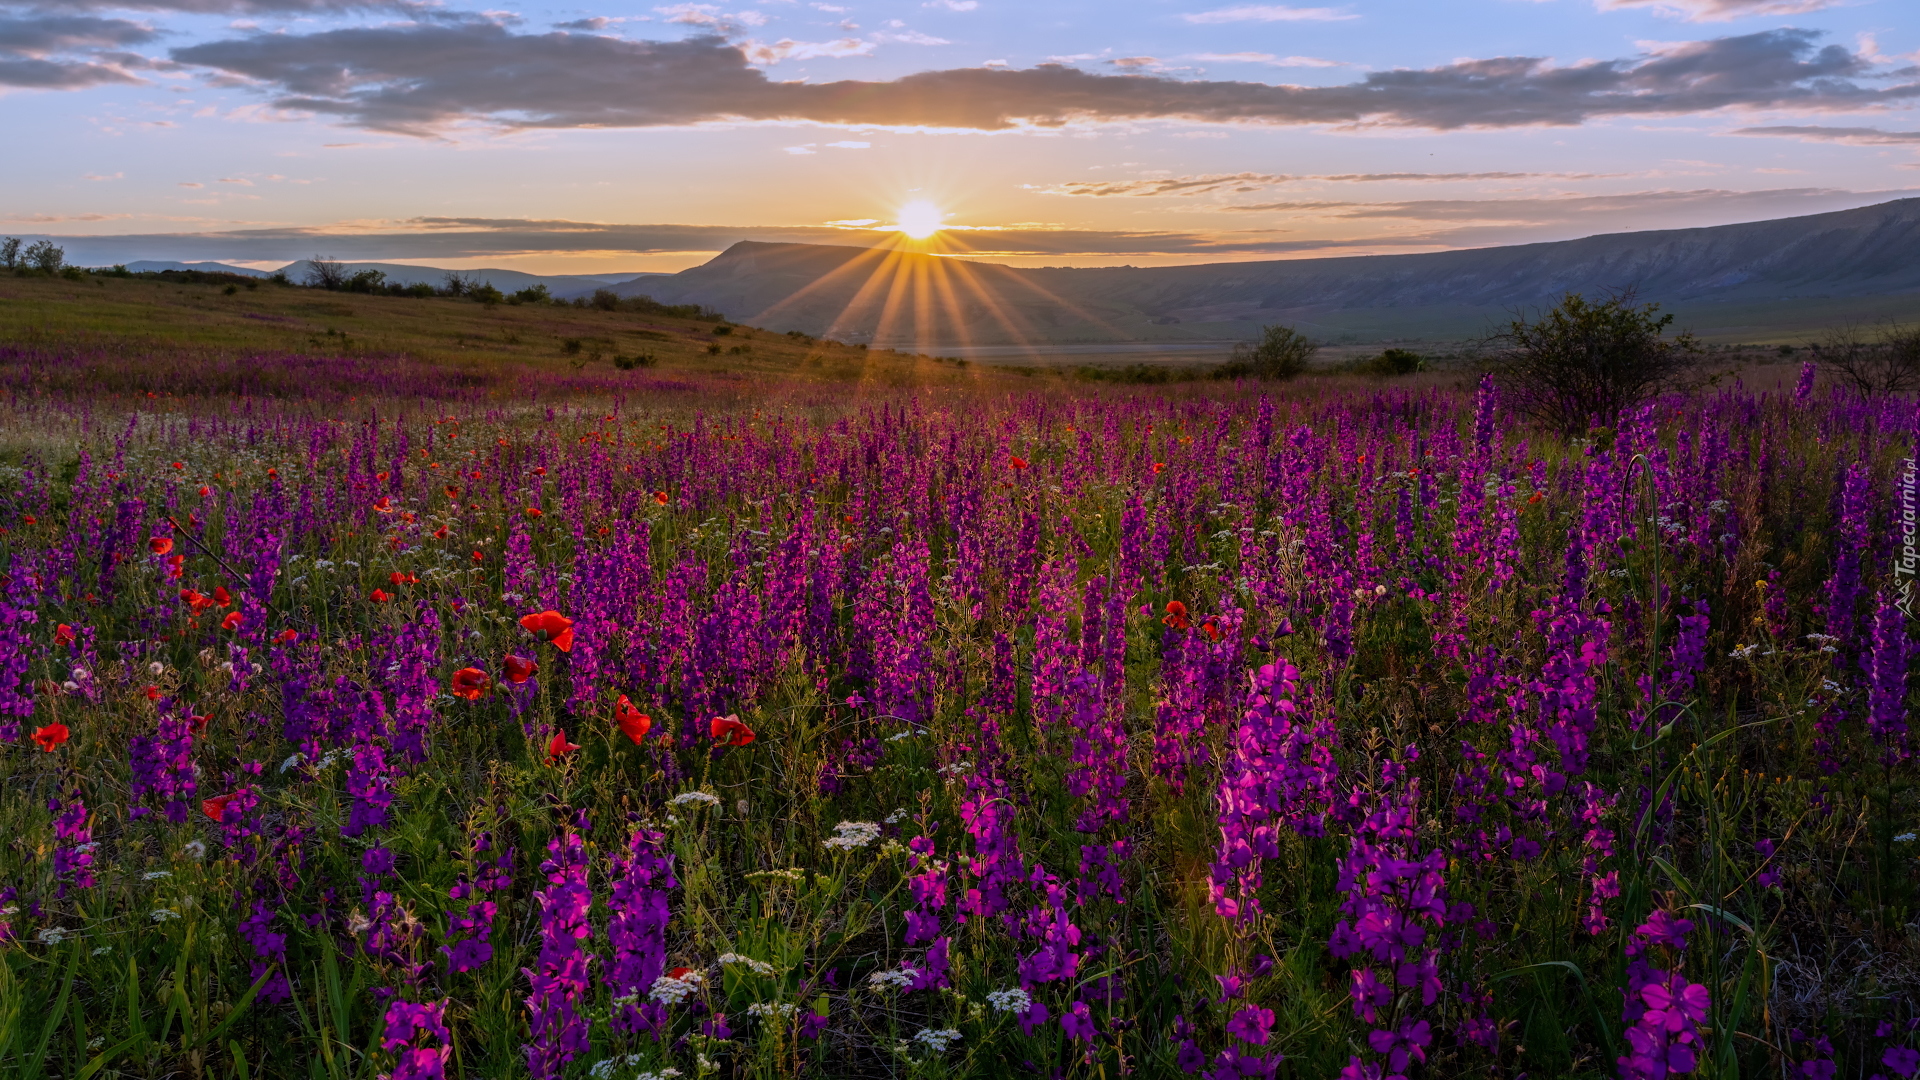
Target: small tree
<point>46,258</point>
<point>325,273</point>
<point>1877,368</point>
<point>10,253</point>
<point>1585,362</point>
<point>458,284</point>
<point>1281,353</point>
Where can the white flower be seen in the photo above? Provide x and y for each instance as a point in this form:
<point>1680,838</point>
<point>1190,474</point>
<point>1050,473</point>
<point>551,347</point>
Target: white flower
<point>892,980</point>
<point>156,668</point>
<point>164,914</point>
<point>293,761</point>
<point>70,687</point>
<point>937,1040</point>
<point>156,875</point>
<point>1905,838</point>
<point>758,967</point>
<point>897,816</point>
<point>1744,652</point>
<point>764,1009</point>
<point>195,849</point>
<point>849,835</point>
<point>1008,1001</point>
<point>898,735</point>
<point>692,797</point>
<point>671,991</point>
<point>52,935</point>
<point>81,674</point>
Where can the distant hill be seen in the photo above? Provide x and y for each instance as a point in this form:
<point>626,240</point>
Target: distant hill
<point>562,286</point>
<point>1757,278</point>
<point>154,266</point>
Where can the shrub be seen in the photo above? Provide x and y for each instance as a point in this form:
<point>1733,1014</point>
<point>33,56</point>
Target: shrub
<point>325,273</point>
<point>637,360</point>
<point>1281,353</point>
<point>1395,362</point>
<point>572,346</point>
<point>486,294</point>
<point>10,253</point>
<point>1872,368</point>
<point>1583,362</point>
<point>722,330</point>
<point>532,294</point>
<point>366,281</point>
<point>605,300</point>
<point>45,257</point>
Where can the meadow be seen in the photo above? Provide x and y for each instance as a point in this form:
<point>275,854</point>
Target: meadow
<point>407,701</point>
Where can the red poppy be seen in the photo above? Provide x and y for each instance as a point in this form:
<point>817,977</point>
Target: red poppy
<point>440,533</point>
<point>1019,463</point>
<point>539,470</point>
<point>29,519</point>
<point>518,670</point>
<point>216,807</point>
<point>62,635</point>
<point>470,683</point>
<point>383,505</point>
<point>533,511</point>
<point>679,973</point>
<point>1159,467</point>
<point>559,746</point>
<point>221,596</point>
<point>199,723</point>
<point>272,474</point>
<point>382,477</point>
<point>160,545</point>
<point>550,626</point>
<point>1211,629</point>
<point>729,730</point>
<point>398,579</point>
<point>198,602</point>
<point>379,596</point>
<point>477,557</point>
<point>50,736</point>
<point>288,637</point>
<point>153,693</point>
<point>205,491</point>
<point>179,464</point>
<point>176,566</point>
<point>660,497</point>
<point>232,621</point>
<point>1537,496</point>
<point>1176,615</point>
<point>634,724</point>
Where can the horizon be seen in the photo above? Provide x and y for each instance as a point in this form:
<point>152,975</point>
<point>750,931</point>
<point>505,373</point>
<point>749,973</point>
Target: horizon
<point>622,137</point>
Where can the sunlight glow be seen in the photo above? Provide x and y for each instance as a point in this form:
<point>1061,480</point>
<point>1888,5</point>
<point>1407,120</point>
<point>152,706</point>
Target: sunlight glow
<point>920,219</point>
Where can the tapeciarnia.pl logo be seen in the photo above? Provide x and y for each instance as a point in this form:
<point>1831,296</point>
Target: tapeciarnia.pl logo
<point>1907,562</point>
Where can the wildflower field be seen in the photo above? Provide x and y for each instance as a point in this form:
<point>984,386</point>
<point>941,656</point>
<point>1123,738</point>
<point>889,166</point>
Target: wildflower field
<point>636,730</point>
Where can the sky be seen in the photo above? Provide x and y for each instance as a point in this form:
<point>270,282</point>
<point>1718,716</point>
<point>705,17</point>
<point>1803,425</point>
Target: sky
<point>609,136</point>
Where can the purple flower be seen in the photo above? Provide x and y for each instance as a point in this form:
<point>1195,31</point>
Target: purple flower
<point>1901,1059</point>
<point>1252,1024</point>
<point>1077,1022</point>
<point>1404,1044</point>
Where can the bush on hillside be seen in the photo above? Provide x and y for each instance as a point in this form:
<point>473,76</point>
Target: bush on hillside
<point>1281,353</point>
<point>1582,363</point>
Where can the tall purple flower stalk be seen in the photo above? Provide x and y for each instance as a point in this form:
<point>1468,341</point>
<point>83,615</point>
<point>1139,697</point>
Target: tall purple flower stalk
<point>559,979</point>
<point>637,929</point>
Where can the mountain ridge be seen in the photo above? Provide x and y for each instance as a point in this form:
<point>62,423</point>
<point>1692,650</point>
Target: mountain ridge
<point>1821,261</point>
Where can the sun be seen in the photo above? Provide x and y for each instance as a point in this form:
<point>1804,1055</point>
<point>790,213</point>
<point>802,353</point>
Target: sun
<point>920,219</point>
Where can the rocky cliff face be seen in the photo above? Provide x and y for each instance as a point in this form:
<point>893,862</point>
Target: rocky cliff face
<point>868,294</point>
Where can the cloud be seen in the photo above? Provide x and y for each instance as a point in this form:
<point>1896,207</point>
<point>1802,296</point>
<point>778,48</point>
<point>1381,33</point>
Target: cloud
<point>1268,13</point>
<point>789,49</point>
<point>422,77</point>
<point>1856,136</point>
<point>851,144</point>
<point>953,5</point>
<point>592,25</point>
<point>229,7</point>
<point>712,17</point>
<point>1266,58</point>
<point>1241,182</point>
<point>805,148</point>
<point>43,51</point>
<point>1720,10</point>
<point>1643,209</point>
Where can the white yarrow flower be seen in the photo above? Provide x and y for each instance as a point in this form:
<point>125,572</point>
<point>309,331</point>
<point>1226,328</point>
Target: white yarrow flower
<point>1015,1000</point>
<point>849,835</point>
<point>937,1040</point>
